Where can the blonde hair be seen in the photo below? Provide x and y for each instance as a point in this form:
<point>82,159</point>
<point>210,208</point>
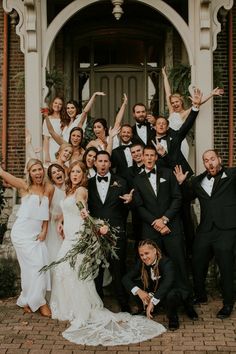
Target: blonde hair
<point>29,165</point>
<point>62,147</point>
<point>82,183</point>
<point>177,95</point>
<point>144,273</point>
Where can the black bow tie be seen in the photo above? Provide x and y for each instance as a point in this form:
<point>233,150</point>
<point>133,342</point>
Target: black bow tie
<point>219,174</point>
<point>150,172</point>
<point>150,266</point>
<point>141,125</point>
<point>159,139</point>
<point>124,147</point>
<point>140,168</point>
<point>100,178</point>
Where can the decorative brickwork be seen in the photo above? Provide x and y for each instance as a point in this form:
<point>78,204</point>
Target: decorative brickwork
<point>221,111</point>
<point>16,101</point>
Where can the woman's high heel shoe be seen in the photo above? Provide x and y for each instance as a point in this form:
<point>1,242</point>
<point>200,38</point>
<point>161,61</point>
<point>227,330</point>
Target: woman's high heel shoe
<point>45,311</point>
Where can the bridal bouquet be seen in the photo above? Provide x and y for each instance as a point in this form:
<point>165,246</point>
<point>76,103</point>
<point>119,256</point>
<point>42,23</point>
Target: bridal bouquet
<point>96,241</point>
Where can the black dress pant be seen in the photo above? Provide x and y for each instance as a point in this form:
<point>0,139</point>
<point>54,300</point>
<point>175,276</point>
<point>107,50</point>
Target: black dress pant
<point>118,270</point>
<point>219,243</point>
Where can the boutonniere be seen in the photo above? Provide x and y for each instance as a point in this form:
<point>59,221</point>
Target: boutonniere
<point>115,184</point>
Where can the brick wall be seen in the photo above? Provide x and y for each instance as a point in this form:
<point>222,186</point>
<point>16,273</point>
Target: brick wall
<point>221,111</point>
<point>16,106</point>
<point>16,114</point>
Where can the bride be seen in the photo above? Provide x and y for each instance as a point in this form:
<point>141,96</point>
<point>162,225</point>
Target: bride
<point>78,301</point>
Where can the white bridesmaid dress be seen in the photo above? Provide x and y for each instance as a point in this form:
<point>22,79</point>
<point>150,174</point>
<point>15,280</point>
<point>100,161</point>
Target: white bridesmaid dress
<point>53,240</point>
<point>53,146</point>
<point>78,301</point>
<point>31,253</point>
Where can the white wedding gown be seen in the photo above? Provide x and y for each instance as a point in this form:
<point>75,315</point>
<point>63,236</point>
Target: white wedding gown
<point>78,301</point>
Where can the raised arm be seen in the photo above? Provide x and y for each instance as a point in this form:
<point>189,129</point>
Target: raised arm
<point>167,89</point>
<point>112,133</point>
<point>16,182</point>
<point>88,107</point>
<point>121,112</point>
<point>216,92</point>
<point>59,140</point>
<point>82,196</point>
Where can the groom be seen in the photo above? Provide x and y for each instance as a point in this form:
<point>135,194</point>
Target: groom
<point>107,194</point>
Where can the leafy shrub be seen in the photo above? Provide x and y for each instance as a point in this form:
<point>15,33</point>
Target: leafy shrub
<point>8,277</point>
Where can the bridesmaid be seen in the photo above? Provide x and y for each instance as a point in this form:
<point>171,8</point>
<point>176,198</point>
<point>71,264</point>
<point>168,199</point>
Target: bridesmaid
<point>56,117</point>
<point>28,235</point>
<point>56,175</point>
<point>89,159</point>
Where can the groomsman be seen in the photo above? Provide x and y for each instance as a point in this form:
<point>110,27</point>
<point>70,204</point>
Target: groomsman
<point>107,194</point>
<point>158,199</point>
<point>168,144</point>
<point>142,130</point>
<point>152,282</point>
<point>216,234</point>
<point>121,156</point>
<point>136,151</point>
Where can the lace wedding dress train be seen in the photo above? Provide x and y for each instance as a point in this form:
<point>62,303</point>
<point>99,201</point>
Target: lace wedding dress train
<point>78,301</point>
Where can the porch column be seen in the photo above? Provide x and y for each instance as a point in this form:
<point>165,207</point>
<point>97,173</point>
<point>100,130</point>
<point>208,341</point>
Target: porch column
<point>33,63</point>
<point>202,75</point>
<point>29,30</point>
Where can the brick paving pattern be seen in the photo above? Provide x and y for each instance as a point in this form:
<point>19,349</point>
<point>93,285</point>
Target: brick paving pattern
<point>32,334</point>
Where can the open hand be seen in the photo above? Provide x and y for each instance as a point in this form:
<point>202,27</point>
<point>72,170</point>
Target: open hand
<point>149,310</point>
<point>179,175</point>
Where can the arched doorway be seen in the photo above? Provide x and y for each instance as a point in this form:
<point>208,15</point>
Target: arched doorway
<point>100,54</point>
<point>116,65</point>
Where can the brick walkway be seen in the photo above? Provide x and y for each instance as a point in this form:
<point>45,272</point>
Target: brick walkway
<point>33,334</point>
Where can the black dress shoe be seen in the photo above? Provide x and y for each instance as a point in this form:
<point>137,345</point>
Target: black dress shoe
<point>200,300</point>
<point>190,312</point>
<point>173,323</point>
<point>125,308</point>
<point>225,312</point>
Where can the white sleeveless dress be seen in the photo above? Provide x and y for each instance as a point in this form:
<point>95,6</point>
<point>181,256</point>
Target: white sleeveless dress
<point>31,253</point>
<point>53,240</point>
<point>175,122</point>
<point>78,301</point>
<point>53,146</point>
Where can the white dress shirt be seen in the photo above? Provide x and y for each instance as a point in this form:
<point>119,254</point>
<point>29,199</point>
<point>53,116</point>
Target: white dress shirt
<point>127,153</point>
<point>152,180</point>
<point>103,186</point>
<point>142,132</point>
<point>207,184</point>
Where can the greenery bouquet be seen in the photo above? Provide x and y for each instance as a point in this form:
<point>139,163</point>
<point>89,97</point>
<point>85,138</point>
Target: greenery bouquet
<point>96,241</point>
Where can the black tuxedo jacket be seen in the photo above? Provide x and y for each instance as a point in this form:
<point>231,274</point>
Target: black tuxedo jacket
<point>130,173</point>
<point>150,135</point>
<point>219,208</point>
<point>151,206</point>
<point>118,161</point>
<point>174,139</point>
<point>165,282</point>
<point>113,209</point>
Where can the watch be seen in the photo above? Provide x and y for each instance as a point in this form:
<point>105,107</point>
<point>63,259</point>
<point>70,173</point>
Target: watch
<point>165,220</point>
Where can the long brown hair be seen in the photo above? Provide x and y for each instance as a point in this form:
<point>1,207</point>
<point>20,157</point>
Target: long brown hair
<point>62,111</point>
<point>144,273</point>
<point>82,183</point>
